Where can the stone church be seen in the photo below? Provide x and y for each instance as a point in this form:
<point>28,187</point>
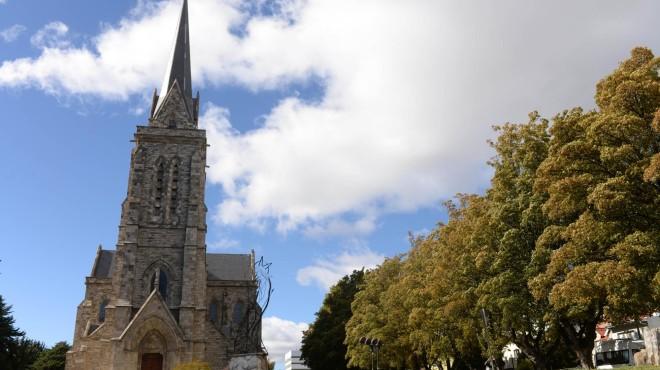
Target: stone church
<point>160,299</point>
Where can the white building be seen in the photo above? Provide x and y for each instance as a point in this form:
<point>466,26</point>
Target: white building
<point>618,344</point>
<point>292,361</point>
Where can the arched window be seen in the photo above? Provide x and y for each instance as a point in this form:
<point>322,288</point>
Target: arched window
<point>213,311</point>
<point>162,284</point>
<point>174,187</point>
<point>159,280</point>
<point>159,185</point>
<point>102,310</point>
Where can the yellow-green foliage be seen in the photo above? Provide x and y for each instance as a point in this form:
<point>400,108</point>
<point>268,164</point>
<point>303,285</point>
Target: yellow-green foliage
<point>195,365</point>
<point>566,237</point>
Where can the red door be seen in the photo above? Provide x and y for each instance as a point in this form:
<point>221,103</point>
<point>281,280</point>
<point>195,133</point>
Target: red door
<point>152,361</point>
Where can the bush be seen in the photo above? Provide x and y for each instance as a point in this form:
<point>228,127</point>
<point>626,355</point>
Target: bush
<point>195,365</point>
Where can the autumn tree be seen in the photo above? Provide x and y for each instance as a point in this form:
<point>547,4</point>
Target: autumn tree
<point>323,345</point>
<point>376,315</point>
<point>443,270</point>
<point>515,221</point>
<point>600,253</point>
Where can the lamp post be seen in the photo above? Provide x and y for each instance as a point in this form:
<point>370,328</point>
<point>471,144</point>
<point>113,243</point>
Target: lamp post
<point>374,344</point>
<point>484,316</point>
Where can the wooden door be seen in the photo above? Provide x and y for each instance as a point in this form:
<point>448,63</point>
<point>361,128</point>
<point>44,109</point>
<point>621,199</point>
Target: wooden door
<point>152,361</point>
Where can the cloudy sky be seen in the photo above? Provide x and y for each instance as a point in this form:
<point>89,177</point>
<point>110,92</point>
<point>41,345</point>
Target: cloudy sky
<point>336,127</point>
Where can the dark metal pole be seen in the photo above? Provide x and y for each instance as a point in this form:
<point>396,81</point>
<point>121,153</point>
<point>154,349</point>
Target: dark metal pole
<point>377,351</point>
<point>372,357</point>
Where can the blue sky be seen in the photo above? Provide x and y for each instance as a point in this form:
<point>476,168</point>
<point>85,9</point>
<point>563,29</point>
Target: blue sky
<point>335,127</point>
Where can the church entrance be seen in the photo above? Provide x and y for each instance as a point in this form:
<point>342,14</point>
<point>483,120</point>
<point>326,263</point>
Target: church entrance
<point>152,361</point>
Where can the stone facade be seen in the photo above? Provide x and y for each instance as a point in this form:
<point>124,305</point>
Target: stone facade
<point>159,298</point>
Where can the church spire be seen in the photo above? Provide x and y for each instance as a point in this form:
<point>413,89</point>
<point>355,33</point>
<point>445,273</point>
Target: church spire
<point>178,69</point>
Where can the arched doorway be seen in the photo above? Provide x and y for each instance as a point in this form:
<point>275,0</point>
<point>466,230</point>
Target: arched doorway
<point>152,361</point>
<point>152,348</point>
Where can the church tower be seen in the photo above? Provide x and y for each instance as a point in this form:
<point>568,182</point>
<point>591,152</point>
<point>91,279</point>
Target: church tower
<point>159,299</point>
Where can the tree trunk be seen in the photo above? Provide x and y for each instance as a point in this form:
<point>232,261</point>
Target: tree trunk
<point>581,342</point>
<point>585,359</point>
<point>533,352</point>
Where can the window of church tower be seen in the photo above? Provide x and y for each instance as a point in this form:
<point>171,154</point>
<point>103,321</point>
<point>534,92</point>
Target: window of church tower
<point>174,187</point>
<point>159,186</point>
<point>102,310</point>
<point>162,284</point>
<point>159,280</point>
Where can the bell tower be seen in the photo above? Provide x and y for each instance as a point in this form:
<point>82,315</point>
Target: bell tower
<point>162,231</point>
<point>158,299</point>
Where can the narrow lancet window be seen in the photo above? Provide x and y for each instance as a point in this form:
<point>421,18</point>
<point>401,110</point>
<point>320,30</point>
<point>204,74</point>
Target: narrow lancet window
<point>174,188</point>
<point>159,280</point>
<point>162,284</point>
<point>159,187</point>
<point>239,311</point>
<point>213,311</point>
<point>102,306</point>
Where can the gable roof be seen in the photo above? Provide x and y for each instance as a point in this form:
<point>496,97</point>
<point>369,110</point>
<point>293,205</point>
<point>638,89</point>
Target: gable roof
<point>237,267</point>
<point>154,314</point>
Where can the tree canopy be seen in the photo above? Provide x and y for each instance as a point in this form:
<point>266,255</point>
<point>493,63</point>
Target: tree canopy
<point>52,359</point>
<point>566,236</point>
<point>323,345</point>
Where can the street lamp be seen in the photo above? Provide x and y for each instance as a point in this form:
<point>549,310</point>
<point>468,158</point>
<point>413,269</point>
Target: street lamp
<point>374,344</point>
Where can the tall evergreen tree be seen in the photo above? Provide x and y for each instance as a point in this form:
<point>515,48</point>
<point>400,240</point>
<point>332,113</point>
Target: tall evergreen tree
<point>9,334</point>
<point>323,345</point>
<point>24,352</point>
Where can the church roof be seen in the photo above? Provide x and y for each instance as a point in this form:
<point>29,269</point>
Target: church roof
<point>237,267</point>
<point>220,266</point>
<point>103,264</point>
<point>179,67</point>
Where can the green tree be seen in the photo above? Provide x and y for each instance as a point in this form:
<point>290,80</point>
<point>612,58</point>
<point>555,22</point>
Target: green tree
<point>461,263</point>
<point>53,358</point>
<point>376,317</point>
<point>441,273</point>
<point>24,352</point>
<point>9,334</point>
<point>515,222</point>
<point>600,253</point>
<point>323,345</point>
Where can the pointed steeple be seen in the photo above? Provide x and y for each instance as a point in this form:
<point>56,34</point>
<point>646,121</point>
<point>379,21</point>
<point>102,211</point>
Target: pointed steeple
<point>179,67</point>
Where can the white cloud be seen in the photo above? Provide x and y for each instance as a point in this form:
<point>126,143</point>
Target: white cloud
<point>222,244</point>
<point>327,271</point>
<point>51,36</point>
<point>411,88</point>
<point>280,336</point>
<point>10,34</point>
